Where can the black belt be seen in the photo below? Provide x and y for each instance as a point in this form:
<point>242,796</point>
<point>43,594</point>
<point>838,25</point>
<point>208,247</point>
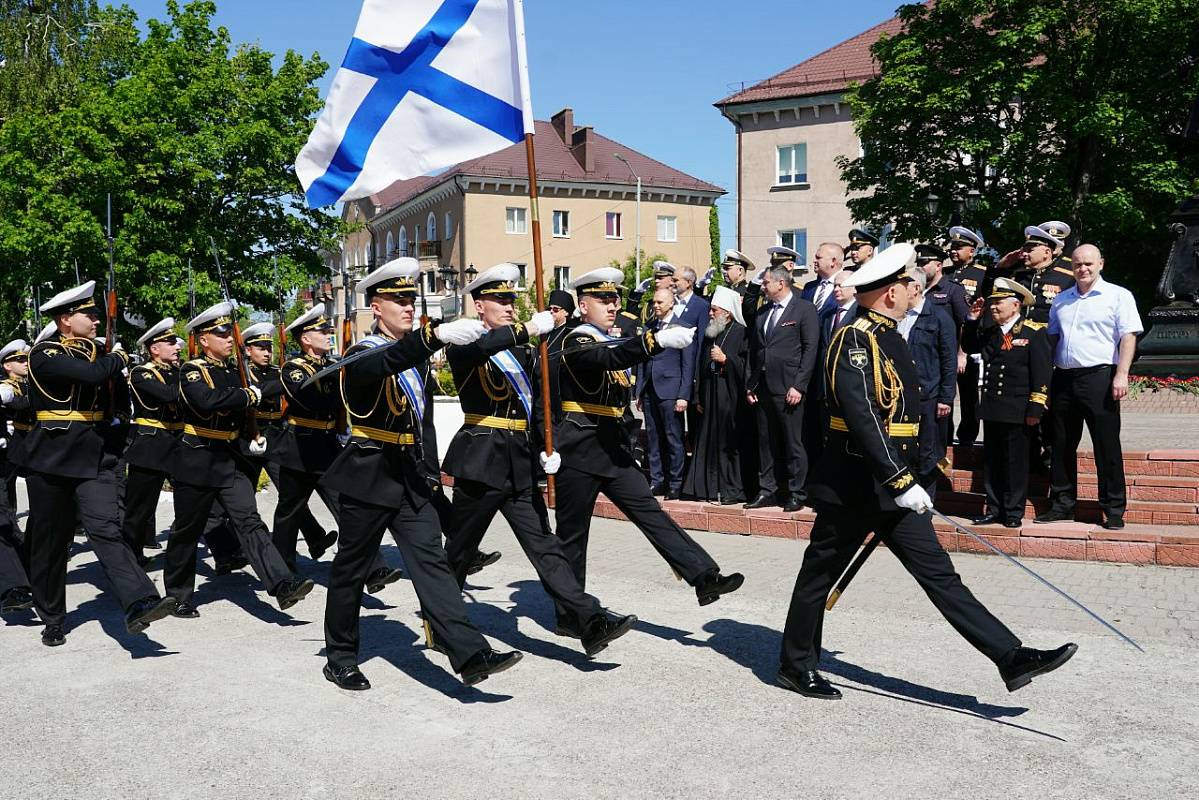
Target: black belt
<point>1071,371</point>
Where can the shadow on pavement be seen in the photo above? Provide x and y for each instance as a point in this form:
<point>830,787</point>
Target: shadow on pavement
<point>241,588</point>
<point>105,610</point>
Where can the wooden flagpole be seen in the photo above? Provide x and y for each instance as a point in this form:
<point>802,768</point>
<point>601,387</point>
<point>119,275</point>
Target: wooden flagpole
<point>540,297</point>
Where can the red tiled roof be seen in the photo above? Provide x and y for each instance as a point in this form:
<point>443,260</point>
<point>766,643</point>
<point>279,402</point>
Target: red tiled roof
<point>555,162</point>
<point>830,71</point>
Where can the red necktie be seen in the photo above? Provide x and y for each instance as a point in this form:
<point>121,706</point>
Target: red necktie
<point>837,319</point>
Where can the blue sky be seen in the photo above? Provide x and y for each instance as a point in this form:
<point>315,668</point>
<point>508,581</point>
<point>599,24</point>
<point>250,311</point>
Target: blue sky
<point>643,72</point>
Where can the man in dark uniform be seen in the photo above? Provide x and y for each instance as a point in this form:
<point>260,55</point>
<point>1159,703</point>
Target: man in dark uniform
<point>216,410</point>
<point>867,484</point>
<point>638,306</point>
<point>736,269</point>
<point>861,247</point>
<point>15,411</point>
<point>494,457</point>
<point>154,439</point>
<point>383,480</point>
<point>972,277</point>
<point>70,460</point>
<point>1015,352</point>
<point>15,591</point>
<point>597,451</point>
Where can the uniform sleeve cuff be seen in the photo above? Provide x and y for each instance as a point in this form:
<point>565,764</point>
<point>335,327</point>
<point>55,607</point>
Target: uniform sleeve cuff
<point>900,482</point>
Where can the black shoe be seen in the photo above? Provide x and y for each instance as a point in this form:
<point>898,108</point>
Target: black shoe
<point>292,591</point>
<point>153,544</point>
<point>1114,523</point>
<point>714,585</point>
<point>794,503</point>
<point>764,500</point>
<point>486,663</point>
<point>483,560</point>
<point>382,577</point>
<point>1013,523</point>
<point>349,678</point>
<point>1025,664</point>
<point>989,518</point>
<point>810,684</point>
<point>657,490</point>
<point>1053,515</point>
<point>322,546</point>
<point>567,626</point>
<point>728,501</point>
<point>53,636</point>
<point>147,610</point>
<point>185,610</point>
<point>603,629</point>
<point>230,565</point>
<point>673,494</point>
<point>17,599</point>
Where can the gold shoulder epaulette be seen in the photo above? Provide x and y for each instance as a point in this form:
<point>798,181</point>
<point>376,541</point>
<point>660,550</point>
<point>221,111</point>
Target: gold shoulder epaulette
<point>1064,271</point>
<point>1036,326</point>
<point>862,324</point>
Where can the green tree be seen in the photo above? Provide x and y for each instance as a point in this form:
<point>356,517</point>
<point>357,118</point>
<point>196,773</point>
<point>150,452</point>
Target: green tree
<point>629,267</point>
<point>714,238</point>
<point>1037,109</point>
<point>192,138</point>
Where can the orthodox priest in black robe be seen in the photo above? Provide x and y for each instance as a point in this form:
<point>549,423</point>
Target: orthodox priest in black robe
<point>725,421</point>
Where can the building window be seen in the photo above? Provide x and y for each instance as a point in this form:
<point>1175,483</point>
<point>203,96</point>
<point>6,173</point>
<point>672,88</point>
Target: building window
<point>562,224</point>
<point>797,240</point>
<point>431,224</point>
<point>390,252</point>
<point>366,254</point>
<point>612,225</point>
<point>448,233</point>
<point>403,240</point>
<point>668,229</point>
<point>515,221</point>
<point>793,165</point>
<point>520,282</point>
<point>562,277</point>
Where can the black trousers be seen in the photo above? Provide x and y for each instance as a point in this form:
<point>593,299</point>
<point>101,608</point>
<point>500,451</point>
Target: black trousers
<point>310,526</point>
<point>143,487</point>
<point>1005,467</point>
<point>968,402</point>
<point>932,446</point>
<point>192,505</point>
<point>14,550</point>
<point>576,495</point>
<point>1078,396</point>
<point>418,534</point>
<point>55,504</point>
<point>836,536</point>
<point>295,490</point>
<point>475,505</point>
<point>783,463</point>
<point>664,441</point>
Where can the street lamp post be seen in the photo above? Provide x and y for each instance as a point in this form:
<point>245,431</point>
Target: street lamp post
<point>637,233</point>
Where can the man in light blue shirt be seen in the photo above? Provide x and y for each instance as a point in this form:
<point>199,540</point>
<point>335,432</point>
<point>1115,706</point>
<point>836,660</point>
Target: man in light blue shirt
<point>1093,329</point>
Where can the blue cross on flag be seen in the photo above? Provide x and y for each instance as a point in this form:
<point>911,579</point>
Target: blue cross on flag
<point>425,85</point>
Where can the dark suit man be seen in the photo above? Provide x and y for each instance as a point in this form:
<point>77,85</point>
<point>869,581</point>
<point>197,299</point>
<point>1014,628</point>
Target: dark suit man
<point>664,390</point>
<point>827,265</point>
<point>832,319</point>
<point>782,360</point>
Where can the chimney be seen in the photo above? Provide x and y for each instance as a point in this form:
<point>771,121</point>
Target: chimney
<point>582,147</point>
<point>564,124</point>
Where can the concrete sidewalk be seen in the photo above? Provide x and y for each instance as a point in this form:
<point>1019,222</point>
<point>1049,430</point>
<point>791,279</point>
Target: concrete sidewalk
<point>234,706</point>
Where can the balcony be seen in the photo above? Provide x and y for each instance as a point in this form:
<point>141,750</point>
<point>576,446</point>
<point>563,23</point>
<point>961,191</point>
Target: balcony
<point>427,249</point>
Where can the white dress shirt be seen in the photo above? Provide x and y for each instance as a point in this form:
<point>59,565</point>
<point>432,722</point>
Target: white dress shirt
<point>1089,326</point>
<point>909,320</point>
<point>776,312</point>
<point>823,290</point>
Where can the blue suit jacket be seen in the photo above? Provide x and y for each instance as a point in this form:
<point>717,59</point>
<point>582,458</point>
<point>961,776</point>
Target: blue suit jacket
<point>672,372</point>
<point>809,293</point>
<point>933,342</point>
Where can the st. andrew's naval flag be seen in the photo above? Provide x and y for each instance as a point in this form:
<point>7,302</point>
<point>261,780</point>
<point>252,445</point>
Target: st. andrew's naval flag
<point>425,84</point>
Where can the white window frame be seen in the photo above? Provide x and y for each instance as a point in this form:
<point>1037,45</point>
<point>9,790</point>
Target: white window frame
<point>431,226</point>
<point>516,221</point>
<point>390,246</point>
<point>561,224</point>
<point>799,236</point>
<point>403,244</point>
<point>793,176</point>
<point>619,225</point>
<point>665,222</point>
<point>430,280</point>
<point>561,271</point>
<point>520,281</point>
<point>448,233</point>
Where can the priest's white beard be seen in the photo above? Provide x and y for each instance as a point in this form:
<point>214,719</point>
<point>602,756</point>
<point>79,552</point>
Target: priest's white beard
<point>715,327</point>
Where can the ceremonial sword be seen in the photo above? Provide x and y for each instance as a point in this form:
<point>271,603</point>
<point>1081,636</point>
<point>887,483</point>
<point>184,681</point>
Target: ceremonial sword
<point>861,559</point>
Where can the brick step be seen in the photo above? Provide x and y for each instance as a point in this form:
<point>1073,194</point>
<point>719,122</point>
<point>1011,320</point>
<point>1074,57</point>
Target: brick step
<point>1142,511</point>
<point>1137,463</point>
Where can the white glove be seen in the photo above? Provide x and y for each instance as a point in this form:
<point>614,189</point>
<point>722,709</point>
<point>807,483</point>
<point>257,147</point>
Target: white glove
<point>643,287</point>
<point>6,394</point>
<point>258,446</point>
<point>255,394</point>
<point>541,323</point>
<point>676,338</point>
<point>757,279</point>
<point>915,499</point>
<point>460,331</point>
<point>116,348</point>
<point>551,463</point>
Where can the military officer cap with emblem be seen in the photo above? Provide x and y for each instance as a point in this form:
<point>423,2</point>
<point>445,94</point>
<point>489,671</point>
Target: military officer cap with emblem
<point>888,267</point>
<point>735,258</point>
<point>396,278</point>
<point>781,255</point>
<point>1005,287</point>
<point>859,237</point>
<point>46,332</point>
<point>160,333</point>
<point>1035,234</point>
<point>663,269</point>
<point>214,319</point>
<point>929,252</point>
<point>71,301</point>
<point>16,349</point>
<point>960,235</point>
<point>602,283</point>
<point>260,333</point>
<point>496,283</point>
<point>313,319</point>
<point>1056,229</point>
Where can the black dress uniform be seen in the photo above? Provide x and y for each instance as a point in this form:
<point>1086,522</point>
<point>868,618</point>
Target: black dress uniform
<point>70,458</point>
<point>19,414</point>
<point>152,448</point>
<point>873,397</point>
<point>1015,387</point>
<point>15,591</point>
<point>592,434</point>
<point>209,468</point>
<point>972,278</point>
<point>1045,285</point>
